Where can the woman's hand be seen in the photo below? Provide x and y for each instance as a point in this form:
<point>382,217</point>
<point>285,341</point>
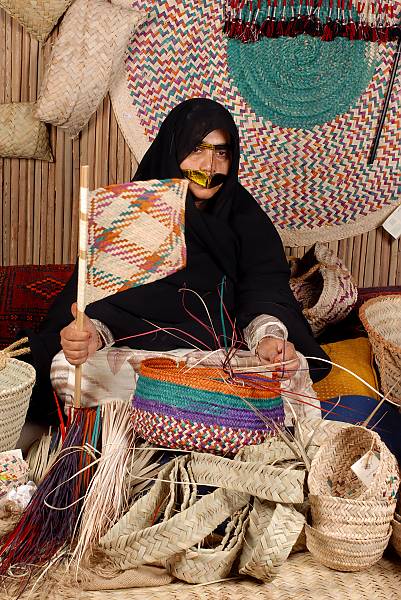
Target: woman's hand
<point>272,350</point>
<point>79,345</point>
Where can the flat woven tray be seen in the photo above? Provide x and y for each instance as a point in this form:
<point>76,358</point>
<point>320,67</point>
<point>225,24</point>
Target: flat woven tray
<point>300,577</point>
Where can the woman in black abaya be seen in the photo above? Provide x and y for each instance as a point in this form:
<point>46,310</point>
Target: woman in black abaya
<point>229,239</point>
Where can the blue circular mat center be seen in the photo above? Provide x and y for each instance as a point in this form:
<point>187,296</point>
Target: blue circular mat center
<point>300,82</point>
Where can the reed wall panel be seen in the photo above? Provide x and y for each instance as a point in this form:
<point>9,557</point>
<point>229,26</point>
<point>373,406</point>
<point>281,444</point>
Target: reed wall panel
<point>39,200</point>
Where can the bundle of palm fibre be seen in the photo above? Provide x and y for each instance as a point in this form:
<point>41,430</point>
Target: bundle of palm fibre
<point>369,20</point>
<point>49,521</point>
<point>204,409</point>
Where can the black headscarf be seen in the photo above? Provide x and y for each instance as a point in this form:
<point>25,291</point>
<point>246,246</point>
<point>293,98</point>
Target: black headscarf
<point>231,240</point>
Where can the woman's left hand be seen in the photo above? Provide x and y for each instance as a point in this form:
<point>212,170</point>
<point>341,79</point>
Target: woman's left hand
<point>273,351</point>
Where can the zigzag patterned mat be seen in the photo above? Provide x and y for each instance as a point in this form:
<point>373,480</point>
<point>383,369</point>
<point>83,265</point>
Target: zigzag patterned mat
<point>307,111</point>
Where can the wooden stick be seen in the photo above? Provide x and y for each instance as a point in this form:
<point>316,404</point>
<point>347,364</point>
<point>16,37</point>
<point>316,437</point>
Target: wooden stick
<point>394,69</point>
<point>83,239</point>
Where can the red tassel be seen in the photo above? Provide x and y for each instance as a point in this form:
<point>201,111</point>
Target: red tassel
<point>318,28</point>
<point>282,27</point>
<point>299,25</point>
<point>246,32</point>
<point>239,28</point>
<point>328,31</point>
<point>291,28</point>
<point>351,30</point>
<point>269,28</point>
<point>310,26</point>
<point>383,34</point>
<point>374,36</point>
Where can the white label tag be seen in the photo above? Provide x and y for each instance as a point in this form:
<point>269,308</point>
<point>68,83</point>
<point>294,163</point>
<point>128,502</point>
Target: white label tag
<point>393,223</point>
<point>365,468</point>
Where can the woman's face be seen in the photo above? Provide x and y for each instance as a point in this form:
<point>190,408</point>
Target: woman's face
<point>211,161</point>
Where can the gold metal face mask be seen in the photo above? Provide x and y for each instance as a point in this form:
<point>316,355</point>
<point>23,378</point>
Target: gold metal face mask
<point>204,179</point>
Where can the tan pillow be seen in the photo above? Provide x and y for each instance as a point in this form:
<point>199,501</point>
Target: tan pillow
<point>37,16</point>
<point>22,135</point>
<point>88,53</point>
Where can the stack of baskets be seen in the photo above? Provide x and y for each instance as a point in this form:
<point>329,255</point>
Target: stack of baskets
<point>351,521</point>
<point>381,317</point>
<point>16,381</point>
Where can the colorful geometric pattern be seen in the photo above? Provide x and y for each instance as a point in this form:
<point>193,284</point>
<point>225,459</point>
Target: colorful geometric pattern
<point>135,235</point>
<point>315,184</point>
<point>196,408</point>
<point>26,294</point>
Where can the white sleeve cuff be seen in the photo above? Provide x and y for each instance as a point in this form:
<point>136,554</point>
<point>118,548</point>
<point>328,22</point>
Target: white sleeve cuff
<point>104,333</point>
<point>264,326</point>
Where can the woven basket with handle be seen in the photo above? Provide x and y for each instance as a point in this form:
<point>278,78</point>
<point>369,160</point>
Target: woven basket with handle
<point>323,286</point>
<point>16,382</point>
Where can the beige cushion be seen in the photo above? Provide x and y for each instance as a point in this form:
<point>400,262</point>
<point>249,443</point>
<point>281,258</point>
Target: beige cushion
<point>88,53</point>
<point>22,135</point>
<point>37,16</point>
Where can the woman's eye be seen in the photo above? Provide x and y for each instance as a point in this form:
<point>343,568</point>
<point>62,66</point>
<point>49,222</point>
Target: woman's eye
<point>198,150</point>
<point>223,154</point>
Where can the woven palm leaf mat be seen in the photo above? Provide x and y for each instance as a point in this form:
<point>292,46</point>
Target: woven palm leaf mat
<point>307,111</point>
<point>300,578</point>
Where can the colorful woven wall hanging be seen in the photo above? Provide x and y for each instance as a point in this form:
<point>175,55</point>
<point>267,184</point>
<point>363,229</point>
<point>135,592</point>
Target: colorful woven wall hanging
<point>135,235</point>
<point>369,20</point>
<point>307,112</point>
<point>197,409</point>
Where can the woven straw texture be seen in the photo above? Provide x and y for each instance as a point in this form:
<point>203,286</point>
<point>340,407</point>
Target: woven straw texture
<point>351,519</point>
<point>381,318</point>
<point>300,577</point>
<point>345,554</point>
<point>323,286</point>
<point>135,235</point>
<point>22,135</point>
<point>88,52</point>
<point>197,409</point>
<point>330,473</point>
<point>396,536</point>
<point>16,382</point>
<point>172,525</point>
<point>37,16</point>
<point>300,181</point>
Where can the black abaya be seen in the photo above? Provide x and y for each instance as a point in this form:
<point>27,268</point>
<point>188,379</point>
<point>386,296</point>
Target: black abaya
<point>232,239</point>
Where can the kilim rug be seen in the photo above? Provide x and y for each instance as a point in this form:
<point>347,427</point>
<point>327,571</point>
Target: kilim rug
<point>26,294</point>
<point>307,111</point>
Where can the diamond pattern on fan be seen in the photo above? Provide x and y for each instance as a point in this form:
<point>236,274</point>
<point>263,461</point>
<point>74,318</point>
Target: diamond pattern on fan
<point>135,235</point>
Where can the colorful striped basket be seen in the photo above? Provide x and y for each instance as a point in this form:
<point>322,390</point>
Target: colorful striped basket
<point>198,409</point>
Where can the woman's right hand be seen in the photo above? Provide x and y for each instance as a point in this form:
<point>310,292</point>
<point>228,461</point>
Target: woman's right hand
<point>79,345</point>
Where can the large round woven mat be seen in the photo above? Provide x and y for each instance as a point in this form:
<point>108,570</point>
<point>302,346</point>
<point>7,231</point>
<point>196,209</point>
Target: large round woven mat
<point>307,113</point>
<point>300,578</point>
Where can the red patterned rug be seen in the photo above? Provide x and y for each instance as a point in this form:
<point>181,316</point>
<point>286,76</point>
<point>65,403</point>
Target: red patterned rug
<point>26,293</point>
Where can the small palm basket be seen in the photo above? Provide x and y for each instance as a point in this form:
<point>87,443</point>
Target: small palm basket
<point>381,317</point>
<point>201,409</point>
<point>351,519</point>
<point>17,379</point>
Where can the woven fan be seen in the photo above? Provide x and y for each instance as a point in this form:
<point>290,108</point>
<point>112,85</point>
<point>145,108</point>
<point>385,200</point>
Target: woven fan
<point>307,113</point>
<point>135,234</point>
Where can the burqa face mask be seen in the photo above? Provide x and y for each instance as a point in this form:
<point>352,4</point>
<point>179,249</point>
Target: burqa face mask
<point>209,179</point>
